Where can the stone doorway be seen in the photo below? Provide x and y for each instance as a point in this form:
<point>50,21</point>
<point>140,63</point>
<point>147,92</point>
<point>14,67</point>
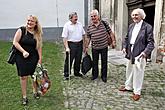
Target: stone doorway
<point>150,13</point>
<point>147,5</point>
<point>96,5</point>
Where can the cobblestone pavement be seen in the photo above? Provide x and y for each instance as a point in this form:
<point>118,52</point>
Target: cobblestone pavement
<point>84,94</point>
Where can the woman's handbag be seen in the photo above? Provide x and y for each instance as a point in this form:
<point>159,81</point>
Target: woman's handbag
<point>41,79</point>
<point>12,55</point>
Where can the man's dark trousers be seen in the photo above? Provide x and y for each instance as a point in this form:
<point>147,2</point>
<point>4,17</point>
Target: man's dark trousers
<point>76,49</point>
<point>95,56</point>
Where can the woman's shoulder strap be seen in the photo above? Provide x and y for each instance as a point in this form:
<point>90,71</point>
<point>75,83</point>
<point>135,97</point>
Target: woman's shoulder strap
<point>23,29</point>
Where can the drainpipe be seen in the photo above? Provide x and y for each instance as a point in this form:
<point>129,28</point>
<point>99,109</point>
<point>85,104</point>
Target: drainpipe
<point>86,13</point>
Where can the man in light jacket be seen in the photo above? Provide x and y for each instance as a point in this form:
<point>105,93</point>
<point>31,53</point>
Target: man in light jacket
<point>138,45</point>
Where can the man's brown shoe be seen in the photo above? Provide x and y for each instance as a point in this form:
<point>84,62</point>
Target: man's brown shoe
<point>122,88</point>
<point>136,97</point>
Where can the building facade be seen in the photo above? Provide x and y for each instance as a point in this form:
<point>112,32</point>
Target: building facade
<point>117,13</point>
<point>52,15</point>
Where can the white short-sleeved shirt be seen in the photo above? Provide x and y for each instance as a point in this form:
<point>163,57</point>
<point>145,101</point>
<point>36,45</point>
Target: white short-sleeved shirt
<point>73,32</point>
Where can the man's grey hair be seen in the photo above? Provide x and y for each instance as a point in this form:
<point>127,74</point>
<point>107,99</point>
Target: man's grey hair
<point>72,14</point>
<point>141,12</point>
<point>95,11</point>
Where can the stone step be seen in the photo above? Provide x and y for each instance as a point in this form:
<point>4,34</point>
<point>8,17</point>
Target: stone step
<point>116,57</point>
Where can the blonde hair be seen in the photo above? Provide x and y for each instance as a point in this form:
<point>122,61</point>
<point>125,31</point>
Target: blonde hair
<point>37,32</point>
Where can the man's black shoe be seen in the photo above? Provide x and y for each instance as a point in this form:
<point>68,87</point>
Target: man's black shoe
<point>66,78</point>
<point>66,74</point>
<point>93,78</point>
<point>78,75</point>
<point>104,79</point>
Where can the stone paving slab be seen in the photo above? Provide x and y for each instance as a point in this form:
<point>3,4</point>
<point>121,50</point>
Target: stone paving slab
<point>116,57</point>
<point>84,94</point>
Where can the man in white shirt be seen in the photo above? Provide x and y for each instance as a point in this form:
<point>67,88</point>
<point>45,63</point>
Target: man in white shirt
<point>73,35</point>
<point>138,45</point>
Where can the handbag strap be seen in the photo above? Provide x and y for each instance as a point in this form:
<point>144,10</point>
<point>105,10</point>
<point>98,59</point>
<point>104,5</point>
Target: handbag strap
<point>106,26</point>
<point>23,29</point>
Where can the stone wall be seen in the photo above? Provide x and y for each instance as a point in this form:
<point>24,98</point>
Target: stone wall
<point>49,34</point>
<point>162,34</point>
<point>161,40</point>
<point>115,12</point>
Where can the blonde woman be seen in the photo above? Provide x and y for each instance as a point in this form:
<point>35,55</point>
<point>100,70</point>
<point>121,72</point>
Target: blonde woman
<point>28,41</point>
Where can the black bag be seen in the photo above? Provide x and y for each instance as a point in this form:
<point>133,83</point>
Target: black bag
<point>86,64</point>
<point>12,55</point>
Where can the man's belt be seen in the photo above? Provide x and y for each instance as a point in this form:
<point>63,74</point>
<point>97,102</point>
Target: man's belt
<point>80,42</point>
